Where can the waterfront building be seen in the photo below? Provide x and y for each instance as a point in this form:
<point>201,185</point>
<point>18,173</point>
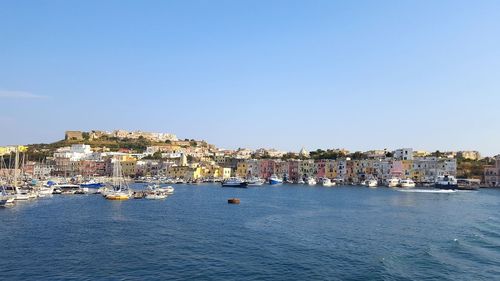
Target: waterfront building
<point>403,154</point>
<point>492,173</point>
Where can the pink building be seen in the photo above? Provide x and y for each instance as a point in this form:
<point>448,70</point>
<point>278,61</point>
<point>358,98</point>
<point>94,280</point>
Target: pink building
<point>267,168</point>
<point>320,168</point>
<point>397,169</point>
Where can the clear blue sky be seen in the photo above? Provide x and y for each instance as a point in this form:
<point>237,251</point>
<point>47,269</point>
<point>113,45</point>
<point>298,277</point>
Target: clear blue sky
<point>283,74</point>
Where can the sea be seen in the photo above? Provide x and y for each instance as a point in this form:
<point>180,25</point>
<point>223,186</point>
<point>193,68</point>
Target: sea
<point>287,232</point>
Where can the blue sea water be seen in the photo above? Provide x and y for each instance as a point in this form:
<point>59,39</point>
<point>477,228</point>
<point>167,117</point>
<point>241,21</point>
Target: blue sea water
<point>287,232</point>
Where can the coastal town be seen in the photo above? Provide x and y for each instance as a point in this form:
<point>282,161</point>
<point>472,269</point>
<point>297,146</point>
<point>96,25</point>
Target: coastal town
<point>164,155</point>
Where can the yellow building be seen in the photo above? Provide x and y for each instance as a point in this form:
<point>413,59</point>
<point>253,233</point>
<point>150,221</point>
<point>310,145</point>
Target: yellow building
<point>193,173</point>
<point>241,170</point>
<point>128,167</point>
<point>224,173</point>
<point>177,172</point>
<point>407,168</point>
<point>331,169</point>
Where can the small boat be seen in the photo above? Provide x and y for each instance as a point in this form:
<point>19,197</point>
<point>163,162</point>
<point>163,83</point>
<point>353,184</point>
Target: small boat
<point>327,182</point>
<point>155,196</point>
<point>301,181</point>
<point>5,199</point>
<point>274,180</point>
<point>233,201</point>
<point>234,182</point>
<point>254,181</point>
<point>406,183</point>
<point>393,182</point>
<point>372,183</point>
<point>311,181</point>
<point>446,182</point>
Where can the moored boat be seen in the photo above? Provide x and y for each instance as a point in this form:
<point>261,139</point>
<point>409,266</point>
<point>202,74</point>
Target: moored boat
<point>274,180</point>
<point>327,182</point>
<point>406,183</point>
<point>234,182</point>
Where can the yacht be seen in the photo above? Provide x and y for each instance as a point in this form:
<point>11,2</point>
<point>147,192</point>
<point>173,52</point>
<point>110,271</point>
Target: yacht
<point>274,180</point>
<point>446,182</point>
<point>406,183</point>
<point>234,182</point>
<point>311,181</point>
<point>327,182</point>
<point>393,182</point>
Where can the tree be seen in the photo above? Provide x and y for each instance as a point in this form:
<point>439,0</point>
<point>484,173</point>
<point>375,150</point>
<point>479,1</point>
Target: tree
<point>86,136</point>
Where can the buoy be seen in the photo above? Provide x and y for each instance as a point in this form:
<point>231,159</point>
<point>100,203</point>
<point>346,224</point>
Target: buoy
<point>233,201</point>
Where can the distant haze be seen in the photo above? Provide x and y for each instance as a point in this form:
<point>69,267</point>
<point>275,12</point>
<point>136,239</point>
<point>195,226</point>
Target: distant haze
<point>285,74</point>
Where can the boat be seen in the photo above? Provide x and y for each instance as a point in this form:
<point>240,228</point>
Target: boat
<point>120,190</point>
<point>392,182</point>
<point>372,183</point>
<point>274,180</point>
<point>446,182</point>
<point>311,181</point>
<point>91,184</point>
<point>406,183</point>
<point>468,184</point>
<point>155,196</point>
<point>327,182</point>
<point>301,181</point>
<point>6,199</point>
<point>234,182</point>
<point>254,181</point>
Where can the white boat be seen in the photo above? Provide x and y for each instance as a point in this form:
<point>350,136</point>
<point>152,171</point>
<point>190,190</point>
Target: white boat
<point>393,182</point>
<point>155,196</point>
<point>301,181</point>
<point>372,183</point>
<point>406,183</point>
<point>254,181</point>
<point>45,191</point>
<point>6,199</point>
<point>312,181</point>
<point>327,182</point>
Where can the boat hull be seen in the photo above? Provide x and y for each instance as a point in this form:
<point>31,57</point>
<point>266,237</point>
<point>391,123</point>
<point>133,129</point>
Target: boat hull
<point>446,186</point>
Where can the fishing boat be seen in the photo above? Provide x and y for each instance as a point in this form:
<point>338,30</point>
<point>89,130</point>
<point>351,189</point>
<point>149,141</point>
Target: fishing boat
<point>120,190</point>
<point>274,180</point>
<point>234,182</point>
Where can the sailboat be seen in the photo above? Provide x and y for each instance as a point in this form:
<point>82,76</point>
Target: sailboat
<point>5,199</point>
<point>120,188</point>
<point>18,194</point>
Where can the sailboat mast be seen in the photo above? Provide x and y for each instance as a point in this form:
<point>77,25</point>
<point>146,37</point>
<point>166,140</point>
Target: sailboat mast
<point>16,164</point>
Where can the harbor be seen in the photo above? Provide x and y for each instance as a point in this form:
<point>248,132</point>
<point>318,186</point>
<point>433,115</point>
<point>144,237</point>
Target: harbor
<point>379,230</point>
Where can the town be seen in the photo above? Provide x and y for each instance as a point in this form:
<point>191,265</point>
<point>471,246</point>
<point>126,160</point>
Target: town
<point>143,154</point>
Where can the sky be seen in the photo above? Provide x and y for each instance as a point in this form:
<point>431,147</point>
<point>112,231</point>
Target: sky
<point>278,74</point>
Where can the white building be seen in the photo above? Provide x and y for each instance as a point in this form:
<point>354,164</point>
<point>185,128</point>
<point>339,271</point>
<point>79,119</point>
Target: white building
<point>403,154</point>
